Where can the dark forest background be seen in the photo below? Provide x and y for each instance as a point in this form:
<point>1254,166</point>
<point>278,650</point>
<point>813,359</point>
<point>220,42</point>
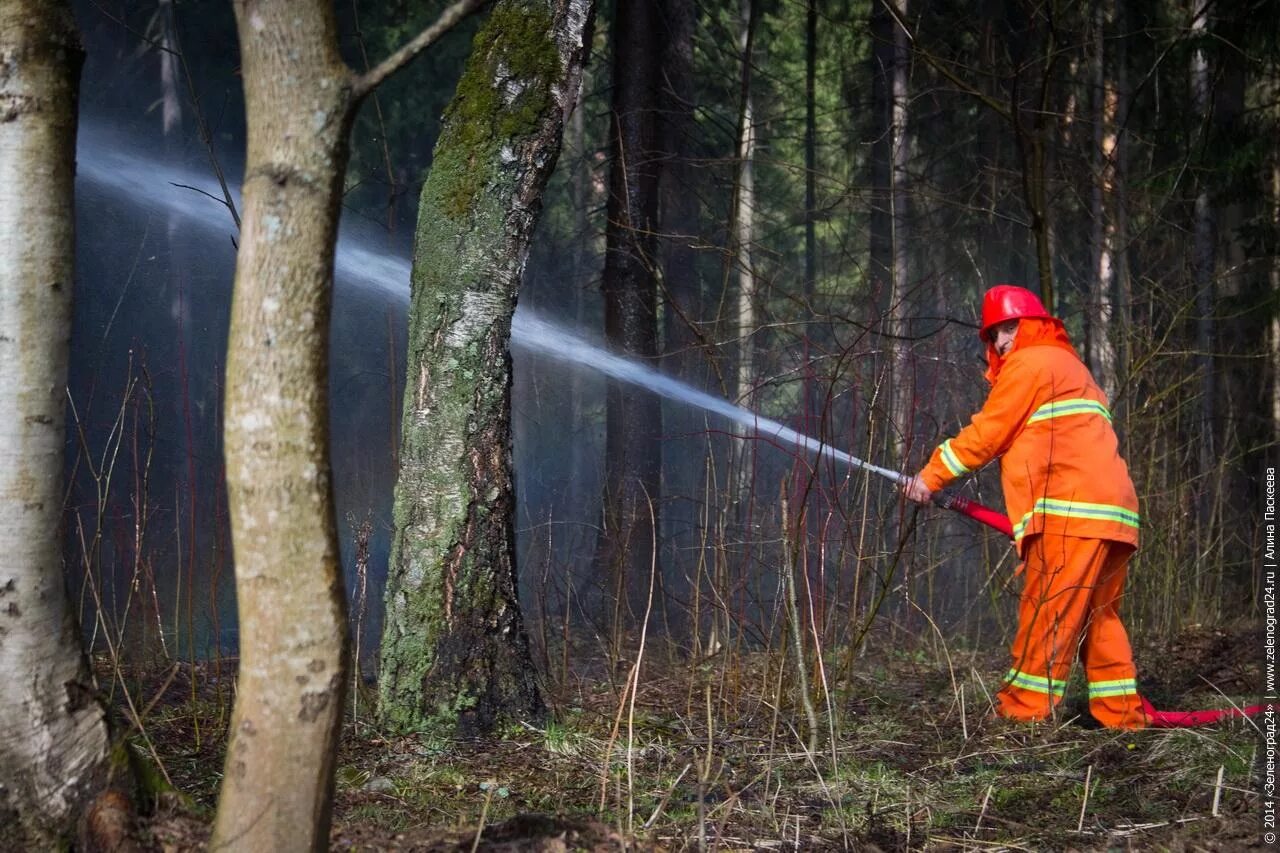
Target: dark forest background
<point>835,185</point>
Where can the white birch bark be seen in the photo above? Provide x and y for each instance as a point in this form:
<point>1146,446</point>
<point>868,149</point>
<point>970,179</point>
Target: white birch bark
<point>903,385</point>
<point>1102,353</point>
<point>53,733</point>
<point>1202,252</point>
<point>744,235</point>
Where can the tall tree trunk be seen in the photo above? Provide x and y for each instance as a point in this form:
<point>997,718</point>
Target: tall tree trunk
<point>1240,426</point>
<point>684,456</point>
<point>278,783</point>
<point>1035,177</point>
<point>1101,336</point>
<point>633,417</point>
<point>995,249</point>
<point>880,217</point>
<point>54,746</point>
<point>454,653</point>
<point>178,256</point>
<point>583,199</point>
<point>902,383</point>
<point>810,409</point>
<point>1030,111</point>
<point>744,236</point>
<point>299,101</point>
<point>678,203</point>
<point>1202,251</point>
<point>1122,314</point>
<point>888,226</point>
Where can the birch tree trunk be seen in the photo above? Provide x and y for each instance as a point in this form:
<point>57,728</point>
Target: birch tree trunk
<point>53,732</point>
<point>1101,337</point>
<point>1124,295</point>
<point>299,101</point>
<point>889,238</point>
<point>880,165</point>
<point>454,652</point>
<point>811,411</point>
<point>903,380</point>
<point>744,236</point>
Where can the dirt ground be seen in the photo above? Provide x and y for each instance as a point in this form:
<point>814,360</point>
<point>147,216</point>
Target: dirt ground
<point>716,756</point>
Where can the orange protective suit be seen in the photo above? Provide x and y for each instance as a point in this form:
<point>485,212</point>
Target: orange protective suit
<point>1075,519</point>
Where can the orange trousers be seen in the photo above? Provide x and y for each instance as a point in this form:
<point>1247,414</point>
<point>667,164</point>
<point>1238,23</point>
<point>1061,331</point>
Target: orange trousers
<point>1070,605</point>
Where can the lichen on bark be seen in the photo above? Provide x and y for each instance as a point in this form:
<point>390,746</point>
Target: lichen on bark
<point>54,738</point>
<point>454,652</point>
<point>502,95</point>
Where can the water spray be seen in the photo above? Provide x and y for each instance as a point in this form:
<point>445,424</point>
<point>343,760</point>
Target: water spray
<point>115,167</point>
<point>532,332</point>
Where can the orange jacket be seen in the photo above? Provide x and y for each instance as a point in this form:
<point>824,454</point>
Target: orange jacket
<point>1048,422</point>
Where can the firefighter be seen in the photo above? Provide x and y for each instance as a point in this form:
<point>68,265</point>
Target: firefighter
<point>1073,507</point>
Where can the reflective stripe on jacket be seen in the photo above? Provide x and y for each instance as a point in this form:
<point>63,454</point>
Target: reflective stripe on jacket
<point>1060,467</point>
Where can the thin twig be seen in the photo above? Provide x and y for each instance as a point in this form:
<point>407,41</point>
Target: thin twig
<point>1084,803</point>
<point>484,812</point>
<point>662,804</point>
<point>202,126</point>
<point>382,124</point>
<point>367,82</point>
<point>1217,791</point>
<point>635,672</point>
<point>986,798</point>
<point>164,688</point>
<point>793,617</point>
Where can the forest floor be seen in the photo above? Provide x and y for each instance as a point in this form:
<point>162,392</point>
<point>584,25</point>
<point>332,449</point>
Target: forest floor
<point>707,757</point>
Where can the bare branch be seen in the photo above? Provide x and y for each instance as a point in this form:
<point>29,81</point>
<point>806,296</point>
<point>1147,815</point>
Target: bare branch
<point>367,82</point>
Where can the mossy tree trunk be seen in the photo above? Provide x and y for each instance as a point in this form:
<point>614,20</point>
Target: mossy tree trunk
<point>454,652</point>
<point>54,745</point>
<point>299,101</point>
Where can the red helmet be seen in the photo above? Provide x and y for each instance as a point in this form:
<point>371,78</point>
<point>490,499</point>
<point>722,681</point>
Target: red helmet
<point>1009,302</point>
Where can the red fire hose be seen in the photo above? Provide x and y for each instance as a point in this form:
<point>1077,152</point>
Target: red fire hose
<point>982,514</point>
<point>1190,719</point>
